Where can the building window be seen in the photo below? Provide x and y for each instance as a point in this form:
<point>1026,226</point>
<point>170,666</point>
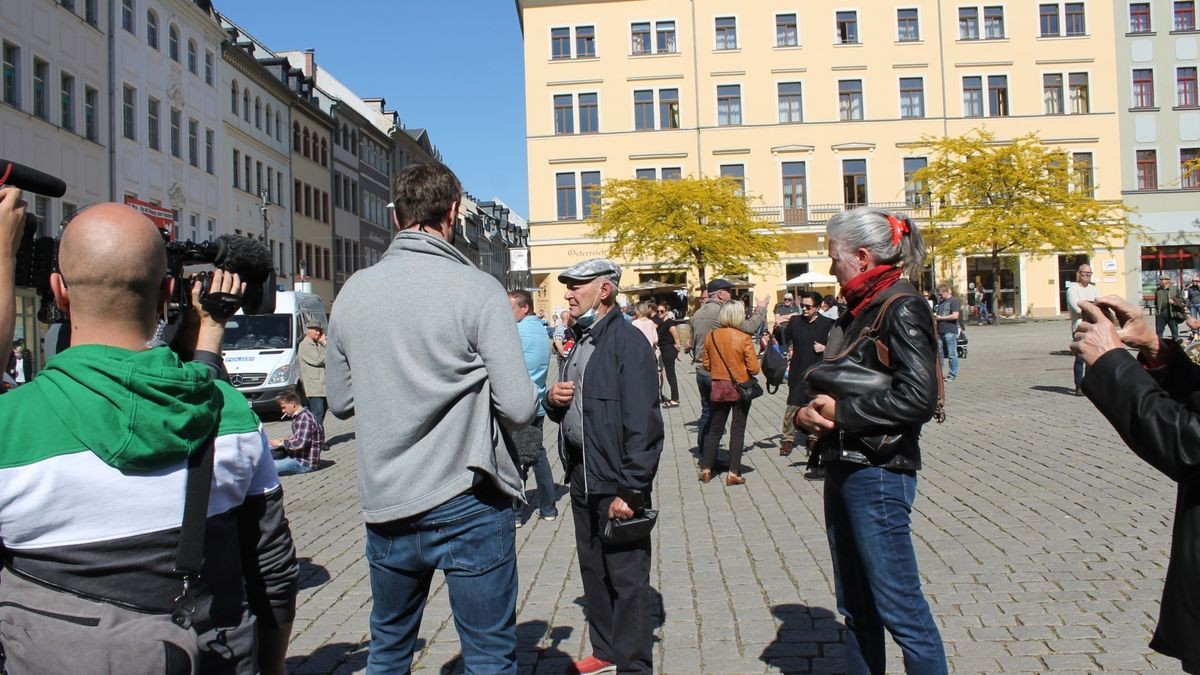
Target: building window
<point>907,25</point>
<point>645,174</point>
<point>726,32</point>
<point>246,162</point>
<point>246,105</point>
<point>41,104</point>
<point>153,124</point>
<point>67,101</point>
<point>1147,170</point>
<point>12,82</point>
<point>176,133</point>
<point>968,23</point>
<point>854,181</point>
<point>668,108</point>
<point>237,160</point>
<point>665,34</point>
<point>565,191</point>
<point>850,99</point>
<point>127,16</point>
<point>208,67</point>
<point>589,113</point>
<point>791,104</point>
<point>1052,93</point>
<point>298,197</point>
<point>998,95</point>
<point>1080,99</point>
<point>91,126</point>
<point>585,42</point>
<point>1185,15</point>
<point>258,176</point>
<point>128,110</point>
<point>1074,18</point>
<point>738,173</point>
<point>643,110</point>
<point>193,143</point>
<point>639,36</point>
<point>993,22</point>
<point>1185,86</point>
<point>90,13</point>
<point>560,43</point>
<point>1189,171</point>
<point>916,193</point>
<point>795,190</point>
<point>1048,20</point>
<point>191,56</point>
<point>173,42</point>
<point>564,114</point>
<point>672,173</point>
<point>589,183</point>
<point>308,201</point>
<point>1081,167</point>
<point>1139,17</point>
<point>209,143</point>
<point>973,96</point>
<point>257,113</point>
<point>233,98</point>
<point>787,32</point>
<point>912,97</point>
<point>729,105</point>
<point>847,28</point>
<point>1143,88</point>
<point>152,29</point>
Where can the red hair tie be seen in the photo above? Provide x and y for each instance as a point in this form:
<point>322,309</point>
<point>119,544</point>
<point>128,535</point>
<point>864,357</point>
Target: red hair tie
<point>899,227</point>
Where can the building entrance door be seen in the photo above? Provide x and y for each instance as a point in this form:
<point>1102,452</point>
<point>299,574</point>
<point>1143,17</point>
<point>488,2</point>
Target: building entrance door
<point>1067,265</point>
<point>980,273</point>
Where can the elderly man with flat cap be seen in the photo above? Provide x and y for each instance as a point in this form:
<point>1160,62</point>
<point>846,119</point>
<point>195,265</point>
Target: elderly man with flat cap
<point>704,321</point>
<point>606,403</point>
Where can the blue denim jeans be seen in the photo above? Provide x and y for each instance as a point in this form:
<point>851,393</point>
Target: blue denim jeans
<point>948,344</point>
<point>704,384</point>
<point>289,466</point>
<point>317,405</point>
<point>543,478</point>
<point>1080,369</point>
<point>472,539</point>
<point>867,517</point>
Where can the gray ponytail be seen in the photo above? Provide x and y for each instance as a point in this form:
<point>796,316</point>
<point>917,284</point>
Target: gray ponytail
<point>870,229</point>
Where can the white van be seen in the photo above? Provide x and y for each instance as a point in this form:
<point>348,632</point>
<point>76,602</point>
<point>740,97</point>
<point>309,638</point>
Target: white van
<point>260,350</point>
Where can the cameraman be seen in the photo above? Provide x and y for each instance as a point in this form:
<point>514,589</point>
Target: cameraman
<point>12,223</point>
<point>111,423</point>
<point>1152,403</point>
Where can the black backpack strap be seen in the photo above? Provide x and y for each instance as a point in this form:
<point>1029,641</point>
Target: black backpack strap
<point>189,554</point>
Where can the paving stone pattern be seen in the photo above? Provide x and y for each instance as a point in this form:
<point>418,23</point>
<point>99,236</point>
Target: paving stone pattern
<point>1042,542</point>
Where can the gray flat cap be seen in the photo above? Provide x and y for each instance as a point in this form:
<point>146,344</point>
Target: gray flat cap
<point>590,269</point>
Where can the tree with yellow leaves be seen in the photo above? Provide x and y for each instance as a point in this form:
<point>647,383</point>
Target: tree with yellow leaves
<point>693,223</point>
<point>1015,197</point>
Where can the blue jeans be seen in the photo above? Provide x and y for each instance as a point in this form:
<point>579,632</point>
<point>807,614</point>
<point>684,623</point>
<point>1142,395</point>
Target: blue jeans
<point>289,466</point>
<point>471,538</point>
<point>984,313</point>
<point>1080,369</point>
<point>317,405</point>
<point>867,517</point>
<point>704,384</point>
<point>543,478</point>
<point>948,342</point>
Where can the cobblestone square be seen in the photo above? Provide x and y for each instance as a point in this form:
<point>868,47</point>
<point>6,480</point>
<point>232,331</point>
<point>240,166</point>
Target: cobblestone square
<point>1042,541</point>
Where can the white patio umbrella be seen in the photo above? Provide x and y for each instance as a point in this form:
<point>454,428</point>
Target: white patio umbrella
<point>815,278</point>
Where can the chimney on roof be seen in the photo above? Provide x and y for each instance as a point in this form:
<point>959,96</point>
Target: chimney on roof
<point>310,62</point>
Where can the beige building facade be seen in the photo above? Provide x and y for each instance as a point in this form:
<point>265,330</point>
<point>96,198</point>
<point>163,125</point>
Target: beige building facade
<point>816,107</point>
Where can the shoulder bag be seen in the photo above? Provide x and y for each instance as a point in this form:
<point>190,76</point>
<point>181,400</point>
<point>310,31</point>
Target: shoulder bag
<point>743,391</point>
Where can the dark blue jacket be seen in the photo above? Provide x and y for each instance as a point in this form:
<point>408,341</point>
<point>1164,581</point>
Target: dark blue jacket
<point>622,422</point>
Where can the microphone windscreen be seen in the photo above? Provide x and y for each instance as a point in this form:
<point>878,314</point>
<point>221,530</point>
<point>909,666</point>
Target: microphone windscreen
<point>251,259</point>
<point>30,180</point>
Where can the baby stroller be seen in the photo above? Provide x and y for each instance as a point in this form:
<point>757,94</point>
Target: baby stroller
<point>962,342</point>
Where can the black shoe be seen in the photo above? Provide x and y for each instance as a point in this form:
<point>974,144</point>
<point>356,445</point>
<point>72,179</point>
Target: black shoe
<point>1079,391</point>
<point>817,473</point>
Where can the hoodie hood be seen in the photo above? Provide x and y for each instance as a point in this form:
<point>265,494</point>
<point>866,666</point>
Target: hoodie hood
<point>409,242</point>
<point>136,411</point>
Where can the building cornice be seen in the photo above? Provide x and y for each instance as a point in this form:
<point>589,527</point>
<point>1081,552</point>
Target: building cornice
<point>249,66</point>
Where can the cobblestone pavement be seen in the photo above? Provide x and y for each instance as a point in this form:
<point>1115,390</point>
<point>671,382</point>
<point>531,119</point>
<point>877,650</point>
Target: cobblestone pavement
<point>1042,542</point>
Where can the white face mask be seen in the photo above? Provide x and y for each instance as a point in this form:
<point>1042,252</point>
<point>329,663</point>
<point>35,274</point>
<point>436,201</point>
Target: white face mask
<point>589,317</point>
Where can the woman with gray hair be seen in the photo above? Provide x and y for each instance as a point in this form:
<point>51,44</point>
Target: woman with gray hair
<point>874,389</point>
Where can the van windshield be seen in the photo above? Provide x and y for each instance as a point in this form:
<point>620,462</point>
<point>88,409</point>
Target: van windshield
<point>263,331</point>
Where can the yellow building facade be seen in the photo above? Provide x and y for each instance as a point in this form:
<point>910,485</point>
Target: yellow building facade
<point>817,107</point>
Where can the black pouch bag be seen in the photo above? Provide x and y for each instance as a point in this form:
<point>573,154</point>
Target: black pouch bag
<point>628,531</point>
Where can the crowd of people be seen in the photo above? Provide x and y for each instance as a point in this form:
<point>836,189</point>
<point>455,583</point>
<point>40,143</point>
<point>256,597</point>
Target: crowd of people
<point>448,431</point>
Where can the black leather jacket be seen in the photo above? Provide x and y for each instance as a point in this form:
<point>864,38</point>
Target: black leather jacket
<point>885,381</point>
<point>1157,414</point>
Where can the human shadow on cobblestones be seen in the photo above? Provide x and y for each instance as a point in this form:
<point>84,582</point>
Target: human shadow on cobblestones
<point>340,438</point>
<point>311,574</point>
<point>808,640</point>
<point>1053,389</point>
<point>337,657</point>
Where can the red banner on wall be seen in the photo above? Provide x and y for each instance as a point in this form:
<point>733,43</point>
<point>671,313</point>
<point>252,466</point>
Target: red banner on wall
<point>163,217</point>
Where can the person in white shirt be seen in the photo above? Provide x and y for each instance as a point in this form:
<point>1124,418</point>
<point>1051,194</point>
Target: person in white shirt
<point>1082,289</point>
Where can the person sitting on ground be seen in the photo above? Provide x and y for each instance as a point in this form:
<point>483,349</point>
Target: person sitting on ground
<point>301,452</point>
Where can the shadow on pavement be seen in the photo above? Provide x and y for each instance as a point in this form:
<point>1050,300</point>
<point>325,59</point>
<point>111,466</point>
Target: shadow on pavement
<point>806,634</point>
<point>537,649</point>
<point>340,438</point>
<point>311,574</point>
<point>1053,389</point>
<point>350,656</point>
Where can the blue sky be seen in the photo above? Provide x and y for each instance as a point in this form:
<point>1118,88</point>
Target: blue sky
<point>453,67</point>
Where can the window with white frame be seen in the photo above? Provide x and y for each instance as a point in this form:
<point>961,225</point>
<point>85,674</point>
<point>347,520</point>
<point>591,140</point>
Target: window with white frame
<point>726,33</point>
<point>787,31</point>
<point>1143,88</point>
<point>912,97</point>
<point>791,103</point>
<point>908,27</point>
<point>850,100</point>
<point>736,172</point>
<point>846,27</point>
<point>729,105</point>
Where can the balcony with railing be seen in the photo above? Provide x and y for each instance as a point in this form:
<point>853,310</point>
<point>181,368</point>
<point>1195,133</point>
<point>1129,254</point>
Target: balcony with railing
<point>817,215</point>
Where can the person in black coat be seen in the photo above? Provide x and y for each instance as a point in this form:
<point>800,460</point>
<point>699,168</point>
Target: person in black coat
<point>807,334</point>
<point>1152,402</point>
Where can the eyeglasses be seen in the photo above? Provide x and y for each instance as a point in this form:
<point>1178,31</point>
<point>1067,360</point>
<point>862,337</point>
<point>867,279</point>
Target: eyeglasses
<point>1085,274</point>
<point>804,306</point>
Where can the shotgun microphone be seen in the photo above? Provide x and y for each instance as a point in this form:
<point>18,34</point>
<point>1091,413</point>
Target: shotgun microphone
<point>31,180</point>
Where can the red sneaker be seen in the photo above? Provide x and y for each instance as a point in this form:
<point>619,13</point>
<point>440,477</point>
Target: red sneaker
<point>593,666</point>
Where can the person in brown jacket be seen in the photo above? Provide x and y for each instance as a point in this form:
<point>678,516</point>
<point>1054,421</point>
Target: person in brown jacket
<point>728,355</point>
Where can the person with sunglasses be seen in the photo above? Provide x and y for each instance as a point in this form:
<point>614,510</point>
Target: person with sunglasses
<point>668,348</point>
<point>808,335</point>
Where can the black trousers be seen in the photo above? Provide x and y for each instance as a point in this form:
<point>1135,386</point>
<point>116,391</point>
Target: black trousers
<point>1162,321</point>
<point>737,434</point>
<point>616,586</point>
<point>668,364</point>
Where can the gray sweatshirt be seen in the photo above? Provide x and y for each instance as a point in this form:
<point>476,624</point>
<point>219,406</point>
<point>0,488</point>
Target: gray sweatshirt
<point>423,350</point>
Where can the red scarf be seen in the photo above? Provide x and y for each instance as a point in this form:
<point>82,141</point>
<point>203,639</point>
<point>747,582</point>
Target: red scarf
<point>862,289</point>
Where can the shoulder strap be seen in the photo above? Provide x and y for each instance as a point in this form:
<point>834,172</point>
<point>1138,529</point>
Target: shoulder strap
<point>939,412</point>
<point>190,552</point>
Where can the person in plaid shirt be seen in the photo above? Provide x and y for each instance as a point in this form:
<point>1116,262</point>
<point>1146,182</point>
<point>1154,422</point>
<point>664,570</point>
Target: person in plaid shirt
<point>303,449</point>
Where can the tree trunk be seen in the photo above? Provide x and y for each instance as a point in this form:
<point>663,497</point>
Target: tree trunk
<point>996,285</point>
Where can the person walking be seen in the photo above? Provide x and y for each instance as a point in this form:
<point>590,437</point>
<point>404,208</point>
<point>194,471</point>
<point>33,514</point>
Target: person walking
<point>430,400</point>
<point>610,441</point>
<point>20,363</point>
<point>1193,298</point>
<point>312,371</point>
<point>948,310</point>
<point>867,409</point>
<point>668,349</point>
<point>535,346</point>
<point>810,334</point>
<point>1168,307</point>
<point>1083,289</point>
<point>730,356</point>
<point>784,311</point>
<point>719,292</point>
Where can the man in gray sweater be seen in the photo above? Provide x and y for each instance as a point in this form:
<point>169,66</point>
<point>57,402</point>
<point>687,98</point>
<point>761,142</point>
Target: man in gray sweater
<point>432,394</point>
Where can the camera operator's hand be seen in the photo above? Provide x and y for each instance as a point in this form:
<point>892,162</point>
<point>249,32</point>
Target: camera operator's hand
<point>212,329</point>
<point>12,226</point>
<point>1096,335</point>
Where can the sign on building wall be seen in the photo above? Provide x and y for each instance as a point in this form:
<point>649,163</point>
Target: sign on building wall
<point>518,260</point>
<point>164,218</point>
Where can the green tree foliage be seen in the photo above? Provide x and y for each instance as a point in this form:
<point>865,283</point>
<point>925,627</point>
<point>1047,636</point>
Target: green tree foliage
<point>1013,198</point>
<point>692,223</point>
